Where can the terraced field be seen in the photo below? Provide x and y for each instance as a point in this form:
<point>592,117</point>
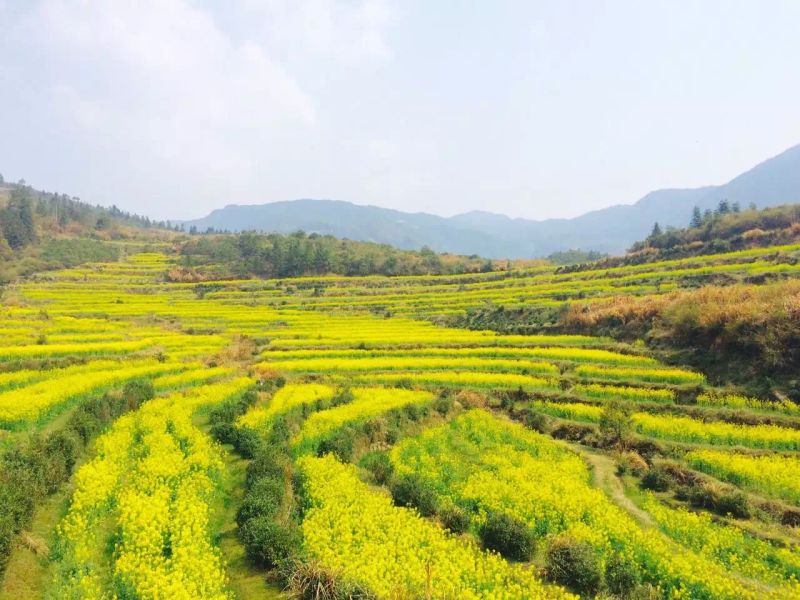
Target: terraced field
<point>386,456</point>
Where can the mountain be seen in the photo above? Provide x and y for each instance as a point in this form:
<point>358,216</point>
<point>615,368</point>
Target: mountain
<point>773,182</point>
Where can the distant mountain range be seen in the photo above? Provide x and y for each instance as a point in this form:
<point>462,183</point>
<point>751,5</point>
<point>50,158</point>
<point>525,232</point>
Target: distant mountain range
<point>773,182</point>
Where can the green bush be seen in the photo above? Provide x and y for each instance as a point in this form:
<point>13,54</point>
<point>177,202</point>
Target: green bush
<point>268,543</point>
<point>138,391</point>
<point>657,479</point>
<point>247,442</point>
<point>269,462</point>
<point>720,500</point>
<point>340,444</point>
<point>622,576</point>
<point>537,421</point>
<point>263,499</point>
<point>574,564</point>
<point>379,465</point>
<point>509,536</point>
<point>455,518</point>
<point>414,491</point>
<point>443,404</point>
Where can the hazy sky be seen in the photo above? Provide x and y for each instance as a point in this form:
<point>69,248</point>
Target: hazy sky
<point>531,108</point>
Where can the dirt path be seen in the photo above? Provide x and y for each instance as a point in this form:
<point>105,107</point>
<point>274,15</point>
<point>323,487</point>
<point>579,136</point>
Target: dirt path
<point>604,477</point>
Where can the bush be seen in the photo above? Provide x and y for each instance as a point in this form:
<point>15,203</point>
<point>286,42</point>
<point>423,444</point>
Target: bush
<point>443,404</point>
<point>340,444</point>
<point>310,581</point>
<point>455,518</point>
<point>536,421</point>
<point>138,391</point>
<point>263,499</point>
<point>633,463</point>
<point>508,536</point>
<point>734,503</point>
<point>574,564</point>
<point>622,576</point>
<point>379,465</point>
<point>268,543</point>
<point>414,491</point>
<point>657,479</point>
<point>269,463</point>
<point>375,429</point>
<point>247,442</point>
<point>721,500</point>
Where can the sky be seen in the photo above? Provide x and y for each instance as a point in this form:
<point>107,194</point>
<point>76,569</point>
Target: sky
<point>530,108</point>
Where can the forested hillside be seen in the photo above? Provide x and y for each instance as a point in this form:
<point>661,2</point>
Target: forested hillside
<point>736,316</point>
<point>273,255</point>
<point>41,231</point>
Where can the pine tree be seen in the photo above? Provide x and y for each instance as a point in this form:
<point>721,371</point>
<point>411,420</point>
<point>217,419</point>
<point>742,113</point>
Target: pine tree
<point>17,219</point>
<point>656,230</point>
<point>697,218</point>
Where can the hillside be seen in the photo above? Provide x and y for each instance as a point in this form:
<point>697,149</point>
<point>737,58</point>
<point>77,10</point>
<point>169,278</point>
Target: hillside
<point>612,230</point>
<point>42,231</point>
<point>722,297</point>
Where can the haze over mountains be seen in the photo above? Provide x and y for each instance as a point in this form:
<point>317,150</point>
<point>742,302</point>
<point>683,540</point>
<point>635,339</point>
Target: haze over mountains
<point>773,182</point>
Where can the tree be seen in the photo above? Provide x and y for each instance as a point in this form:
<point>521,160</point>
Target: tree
<point>2,181</point>
<point>656,230</point>
<point>724,207</point>
<point>615,423</point>
<point>697,218</point>
<point>752,206</point>
<point>736,207</point>
<point>17,219</point>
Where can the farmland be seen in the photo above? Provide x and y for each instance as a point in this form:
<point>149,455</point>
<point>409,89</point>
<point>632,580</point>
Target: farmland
<point>385,455</point>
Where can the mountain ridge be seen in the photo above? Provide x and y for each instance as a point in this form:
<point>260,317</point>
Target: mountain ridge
<point>493,235</point>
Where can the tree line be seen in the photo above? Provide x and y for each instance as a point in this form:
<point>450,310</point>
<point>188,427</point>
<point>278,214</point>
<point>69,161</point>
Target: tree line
<point>298,254</point>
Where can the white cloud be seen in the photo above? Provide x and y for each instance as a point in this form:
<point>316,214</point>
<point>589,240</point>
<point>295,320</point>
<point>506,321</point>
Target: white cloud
<point>349,30</point>
<point>162,79</point>
<point>174,100</point>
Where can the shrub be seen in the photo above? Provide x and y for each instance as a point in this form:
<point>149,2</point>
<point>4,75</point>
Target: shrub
<point>508,536</point>
<point>574,563</point>
<point>720,500</point>
<point>633,463</point>
<point>536,421</point>
<point>734,503</point>
<point>657,479</point>
<point>268,463</point>
<point>443,404</point>
<point>414,491</point>
<point>264,498</point>
<point>311,581</point>
<point>247,442</point>
<point>455,518</point>
<point>615,424</point>
<point>379,465</point>
<point>340,444</point>
<point>622,576</point>
<point>375,429</point>
<point>138,391</point>
<point>268,543</point>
